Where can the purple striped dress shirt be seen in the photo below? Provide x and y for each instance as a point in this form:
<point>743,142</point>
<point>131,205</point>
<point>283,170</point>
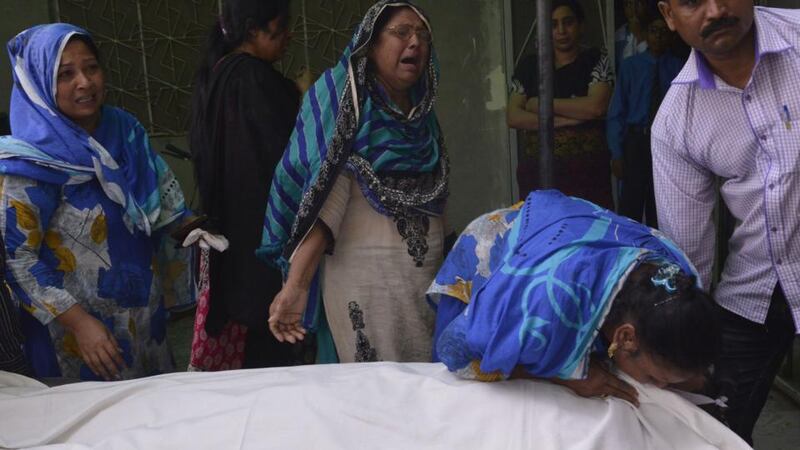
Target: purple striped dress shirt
<point>751,139</point>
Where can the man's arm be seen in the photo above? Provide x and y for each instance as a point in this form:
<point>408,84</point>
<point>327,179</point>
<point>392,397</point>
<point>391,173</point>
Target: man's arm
<point>685,196</point>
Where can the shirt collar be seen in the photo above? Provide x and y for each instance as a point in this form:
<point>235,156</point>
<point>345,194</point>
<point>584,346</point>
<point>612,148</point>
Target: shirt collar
<point>768,40</point>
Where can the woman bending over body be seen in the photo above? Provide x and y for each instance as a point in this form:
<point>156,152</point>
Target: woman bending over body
<point>552,287</point>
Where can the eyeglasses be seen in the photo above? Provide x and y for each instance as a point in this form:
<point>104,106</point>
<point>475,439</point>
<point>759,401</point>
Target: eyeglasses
<point>404,32</point>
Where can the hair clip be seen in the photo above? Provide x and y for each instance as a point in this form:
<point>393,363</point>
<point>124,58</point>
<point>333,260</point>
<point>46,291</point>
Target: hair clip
<point>665,277</point>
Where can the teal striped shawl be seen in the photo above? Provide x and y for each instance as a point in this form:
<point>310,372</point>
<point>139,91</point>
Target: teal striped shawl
<point>346,122</point>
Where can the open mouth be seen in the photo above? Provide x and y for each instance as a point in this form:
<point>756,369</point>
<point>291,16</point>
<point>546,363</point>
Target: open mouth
<point>410,61</point>
<point>86,99</point>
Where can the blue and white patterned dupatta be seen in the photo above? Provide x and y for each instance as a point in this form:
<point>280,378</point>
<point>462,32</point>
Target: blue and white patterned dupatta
<point>47,146</point>
<point>347,122</point>
<point>553,279</point>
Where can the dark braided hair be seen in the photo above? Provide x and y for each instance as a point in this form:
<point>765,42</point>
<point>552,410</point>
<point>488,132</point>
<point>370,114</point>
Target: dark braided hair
<point>681,328</point>
<point>238,19</point>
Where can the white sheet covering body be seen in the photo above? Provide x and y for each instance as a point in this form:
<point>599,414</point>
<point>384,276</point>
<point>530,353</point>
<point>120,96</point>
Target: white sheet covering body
<point>345,406</point>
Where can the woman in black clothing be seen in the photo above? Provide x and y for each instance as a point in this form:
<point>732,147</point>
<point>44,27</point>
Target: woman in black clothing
<point>243,112</point>
<point>582,89</point>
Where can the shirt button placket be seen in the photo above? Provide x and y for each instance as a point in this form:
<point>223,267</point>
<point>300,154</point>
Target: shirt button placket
<point>755,115</point>
<point>773,216</point>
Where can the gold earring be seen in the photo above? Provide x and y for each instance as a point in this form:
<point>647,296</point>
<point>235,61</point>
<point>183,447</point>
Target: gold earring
<point>612,349</point>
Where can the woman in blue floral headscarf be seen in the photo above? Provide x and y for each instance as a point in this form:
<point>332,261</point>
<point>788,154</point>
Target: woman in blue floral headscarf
<point>365,169</point>
<point>84,207</point>
<point>541,289</point>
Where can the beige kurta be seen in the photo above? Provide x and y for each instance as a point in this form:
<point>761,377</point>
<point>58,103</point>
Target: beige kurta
<point>374,294</point>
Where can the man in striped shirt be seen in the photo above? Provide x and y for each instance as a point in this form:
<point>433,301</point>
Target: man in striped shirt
<point>731,113</point>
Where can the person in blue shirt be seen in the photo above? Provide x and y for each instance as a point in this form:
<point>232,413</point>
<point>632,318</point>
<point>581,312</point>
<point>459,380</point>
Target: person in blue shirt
<point>630,38</point>
<point>643,81</point>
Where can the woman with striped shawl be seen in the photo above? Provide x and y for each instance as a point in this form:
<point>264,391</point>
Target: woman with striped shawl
<point>363,179</point>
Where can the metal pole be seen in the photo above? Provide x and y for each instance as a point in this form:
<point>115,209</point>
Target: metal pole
<point>545,38</point>
<point>611,28</point>
<point>513,143</point>
<point>305,36</point>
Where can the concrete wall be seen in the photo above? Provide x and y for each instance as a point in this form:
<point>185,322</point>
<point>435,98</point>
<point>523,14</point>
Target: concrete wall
<point>469,37</point>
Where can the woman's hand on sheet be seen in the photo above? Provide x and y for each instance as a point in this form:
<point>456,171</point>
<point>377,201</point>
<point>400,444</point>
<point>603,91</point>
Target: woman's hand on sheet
<point>286,313</point>
<point>97,346</point>
<point>602,383</point>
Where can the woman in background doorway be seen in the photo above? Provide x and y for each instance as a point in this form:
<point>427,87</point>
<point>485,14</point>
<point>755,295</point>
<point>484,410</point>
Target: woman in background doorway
<point>582,90</point>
